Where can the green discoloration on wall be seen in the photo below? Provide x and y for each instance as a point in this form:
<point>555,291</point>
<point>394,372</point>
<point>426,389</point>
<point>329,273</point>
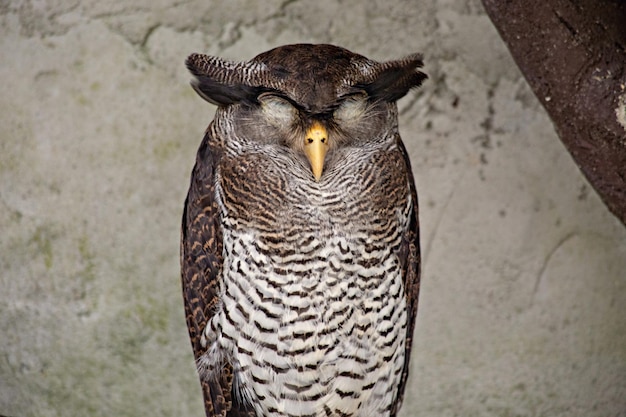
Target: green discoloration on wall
<point>42,241</point>
<point>166,150</point>
<point>88,259</point>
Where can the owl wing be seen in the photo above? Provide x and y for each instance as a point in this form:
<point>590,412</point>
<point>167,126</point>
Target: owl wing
<point>201,271</point>
<point>411,260</point>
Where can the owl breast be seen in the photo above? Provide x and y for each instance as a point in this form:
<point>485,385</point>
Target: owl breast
<point>313,313</point>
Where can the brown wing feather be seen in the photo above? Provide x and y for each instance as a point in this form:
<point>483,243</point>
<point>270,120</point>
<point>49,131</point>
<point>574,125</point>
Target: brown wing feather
<point>201,270</point>
<point>411,258</point>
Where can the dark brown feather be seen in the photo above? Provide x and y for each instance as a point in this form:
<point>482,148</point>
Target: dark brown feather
<point>201,266</point>
<point>394,79</point>
<point>411,257</point>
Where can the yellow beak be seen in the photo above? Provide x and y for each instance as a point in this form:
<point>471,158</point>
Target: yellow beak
<point>315,147</point>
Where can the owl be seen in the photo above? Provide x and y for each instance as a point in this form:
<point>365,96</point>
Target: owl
<point>300,239</point>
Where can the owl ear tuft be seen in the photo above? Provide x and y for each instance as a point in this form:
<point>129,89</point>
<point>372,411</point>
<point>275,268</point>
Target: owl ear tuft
<point>394,79</point>
<point>221,94</point>
<point>221,82</point>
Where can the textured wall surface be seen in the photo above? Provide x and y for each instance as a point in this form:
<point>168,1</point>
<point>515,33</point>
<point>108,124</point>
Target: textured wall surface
<point>524,280</point>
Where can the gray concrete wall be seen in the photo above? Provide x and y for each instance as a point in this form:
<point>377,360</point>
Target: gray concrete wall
<point>524,281</point>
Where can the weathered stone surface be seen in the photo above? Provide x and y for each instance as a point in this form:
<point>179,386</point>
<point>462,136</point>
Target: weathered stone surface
<point>523,285</point>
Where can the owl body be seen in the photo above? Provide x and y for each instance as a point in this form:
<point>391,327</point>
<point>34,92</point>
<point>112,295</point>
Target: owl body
<point>301,282</point>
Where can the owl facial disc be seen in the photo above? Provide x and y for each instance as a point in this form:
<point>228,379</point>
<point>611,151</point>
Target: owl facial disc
<point>315,146</point>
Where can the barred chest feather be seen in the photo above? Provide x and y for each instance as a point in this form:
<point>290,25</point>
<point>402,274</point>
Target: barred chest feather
<point>312,315</point>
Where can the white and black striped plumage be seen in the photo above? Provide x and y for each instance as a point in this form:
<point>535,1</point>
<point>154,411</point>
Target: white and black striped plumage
<point>300,237</point>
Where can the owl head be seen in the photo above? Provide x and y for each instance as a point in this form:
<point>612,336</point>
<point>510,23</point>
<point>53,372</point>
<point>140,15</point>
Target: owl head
<point>310,98</point>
